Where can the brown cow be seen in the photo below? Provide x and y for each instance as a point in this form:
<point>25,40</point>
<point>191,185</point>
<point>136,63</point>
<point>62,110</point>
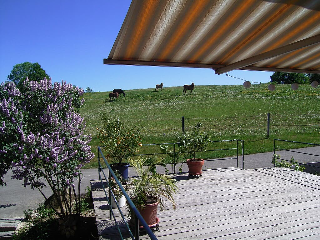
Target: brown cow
<point>159,86</point>
<point>113,96</point>
<point>188,87</point>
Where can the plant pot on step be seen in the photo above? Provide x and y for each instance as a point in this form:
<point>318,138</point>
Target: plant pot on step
<point>195,166</point>
<point>148,191</point>
<point>122,169</point>
<point>121,202</point>
<point>149,214</point>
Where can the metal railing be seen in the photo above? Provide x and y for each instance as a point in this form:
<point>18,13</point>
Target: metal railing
<point>110,194</point>
<point>234,148</point>
<point>175,156</point>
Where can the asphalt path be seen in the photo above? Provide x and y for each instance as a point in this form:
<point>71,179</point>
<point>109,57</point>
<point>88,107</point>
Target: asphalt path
<point>15,198</point>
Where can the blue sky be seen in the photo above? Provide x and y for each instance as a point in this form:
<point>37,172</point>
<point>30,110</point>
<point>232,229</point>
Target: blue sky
<point>70,39</point>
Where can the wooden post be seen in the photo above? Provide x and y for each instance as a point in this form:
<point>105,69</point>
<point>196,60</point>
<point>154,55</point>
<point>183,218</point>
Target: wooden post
<point>182,120</point>
<point>268,126</point>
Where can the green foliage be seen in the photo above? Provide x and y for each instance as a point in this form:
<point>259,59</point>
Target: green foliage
<point>44,137</point>
<point>84,201</point>
<point>84,205</point>
<point>38,225</point>
<point>314,77</point>
<point>121,142</point>
<point>114,187</point>
<point>289,78</point>
<point>43,223</point>
<point>150,185</point>
<point>193,141</point>
<point>283,163</point>
<point>22,71</point>
<point>174,154</point>
<point>41,213</point>
<point>89,90</point>
<point>188,144</point>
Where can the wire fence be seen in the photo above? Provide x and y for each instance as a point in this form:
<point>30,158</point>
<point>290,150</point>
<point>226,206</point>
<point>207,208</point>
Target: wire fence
<point>169,153</point>
<point>238,126</point>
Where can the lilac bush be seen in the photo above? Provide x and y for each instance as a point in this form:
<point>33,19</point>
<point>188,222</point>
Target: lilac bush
<point>42,136</point>
<point>11,127</point>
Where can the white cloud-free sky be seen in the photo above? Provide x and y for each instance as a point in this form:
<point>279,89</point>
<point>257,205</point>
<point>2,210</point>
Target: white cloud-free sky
<point>70,39</point>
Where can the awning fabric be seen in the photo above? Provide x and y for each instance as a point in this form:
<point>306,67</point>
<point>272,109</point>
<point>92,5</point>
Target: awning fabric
<point>266,35</point>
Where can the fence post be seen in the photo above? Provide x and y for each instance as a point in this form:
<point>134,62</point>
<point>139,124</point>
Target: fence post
<point>237,153</point>
<point>268,126</point>
<point>182,120</point>
<point>242,155</point>
<point>174,158</point>
<point>99,169</point>
<point>274,151</point>
<point>110,196</point>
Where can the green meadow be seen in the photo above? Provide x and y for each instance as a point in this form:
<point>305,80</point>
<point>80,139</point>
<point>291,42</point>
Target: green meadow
<point>226,112</point>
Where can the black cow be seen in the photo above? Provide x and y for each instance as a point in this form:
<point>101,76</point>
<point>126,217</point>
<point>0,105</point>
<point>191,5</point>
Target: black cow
<point>119,91</point>
<point>188,87</point>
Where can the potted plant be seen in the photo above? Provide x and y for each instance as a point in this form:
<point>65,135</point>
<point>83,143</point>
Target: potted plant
<point>121,143</point>
<point>149,189</point>
<point>117,196</point>
<point>174,154</point>
<point>190,143</point>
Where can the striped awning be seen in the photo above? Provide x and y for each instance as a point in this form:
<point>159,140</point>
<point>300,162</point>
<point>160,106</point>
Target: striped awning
<point>225,35</point>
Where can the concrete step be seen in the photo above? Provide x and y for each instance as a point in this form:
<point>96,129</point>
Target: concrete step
<point>7,227</point>
<point>107,228</point>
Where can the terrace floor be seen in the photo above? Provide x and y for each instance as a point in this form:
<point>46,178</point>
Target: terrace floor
<point>262,203</point>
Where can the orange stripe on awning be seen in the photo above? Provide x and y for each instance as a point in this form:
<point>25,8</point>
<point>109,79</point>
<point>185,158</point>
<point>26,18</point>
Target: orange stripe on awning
<point>255,33</point>
<point>307,60</point>
<point>295,31</point>
<point>316,67</point>
<point>221,30</point>
<point>140,27</point>
<point>289,55</point>
<point>193,13</point>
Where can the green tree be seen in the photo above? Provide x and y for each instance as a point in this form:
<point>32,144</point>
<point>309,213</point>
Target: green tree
<point>89,90</point>
<point>314,77</point>
<point>288,78</point>
<point>21,71</point>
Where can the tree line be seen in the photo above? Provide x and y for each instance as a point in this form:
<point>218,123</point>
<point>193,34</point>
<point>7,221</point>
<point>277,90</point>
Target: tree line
<point>289,78</point>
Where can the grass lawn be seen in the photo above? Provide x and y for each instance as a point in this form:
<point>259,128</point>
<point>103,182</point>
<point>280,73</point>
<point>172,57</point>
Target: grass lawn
<point>226,112</point>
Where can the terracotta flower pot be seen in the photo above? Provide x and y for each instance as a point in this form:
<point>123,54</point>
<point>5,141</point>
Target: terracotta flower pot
<point>149,214</point>
<point>195,166</point>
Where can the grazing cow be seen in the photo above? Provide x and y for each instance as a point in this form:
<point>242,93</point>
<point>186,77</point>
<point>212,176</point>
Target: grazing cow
<point>119,91</point>
<point>113,95</point>
<point>188,87</point>
<point>159,86</point>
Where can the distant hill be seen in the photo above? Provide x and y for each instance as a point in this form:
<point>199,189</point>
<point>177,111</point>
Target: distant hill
<point>226,112</point>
